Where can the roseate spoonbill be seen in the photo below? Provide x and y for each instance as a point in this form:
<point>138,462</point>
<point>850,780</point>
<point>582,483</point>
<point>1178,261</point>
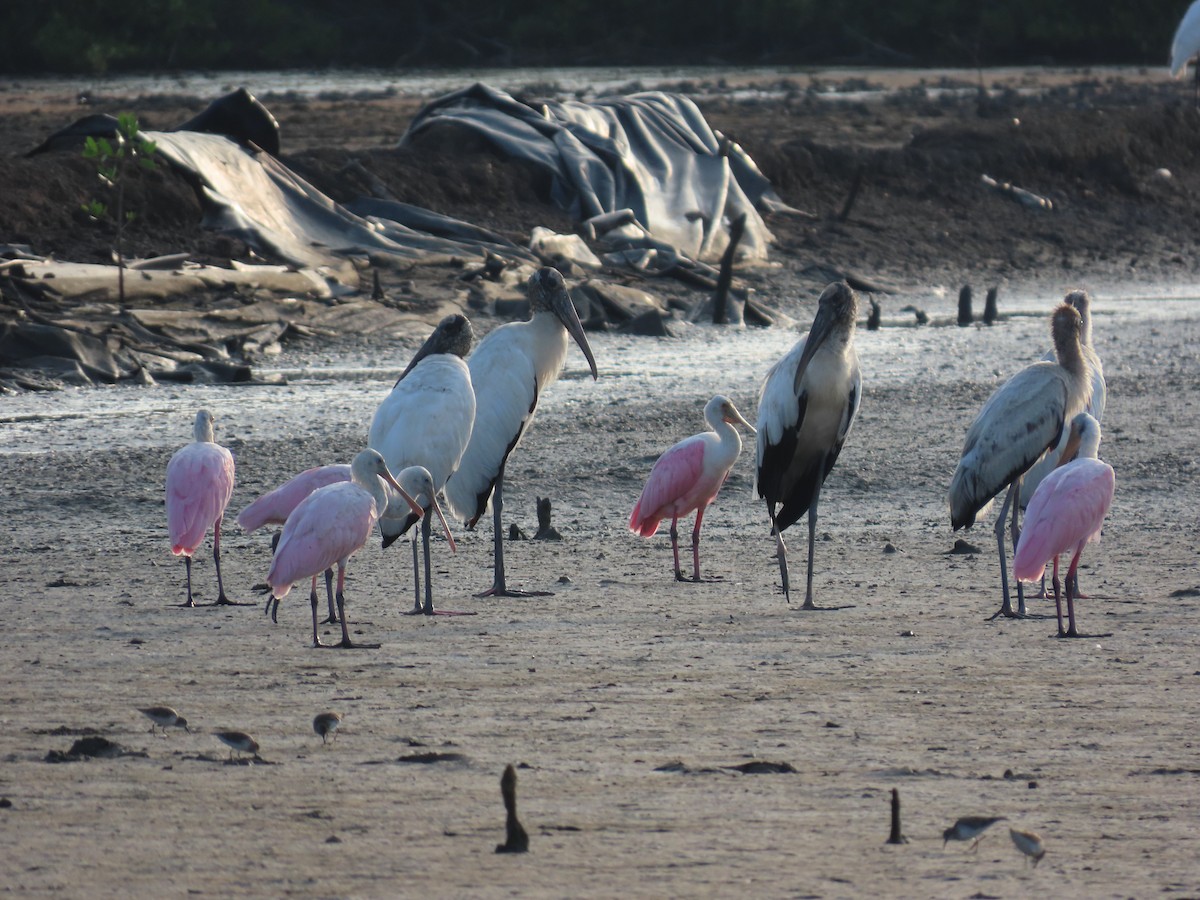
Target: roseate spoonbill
<point>328,526</point>
<point>199,485</point>
<point>806,408</point>
<point>273,508</point>
<point>1186,44</point>
<point>1082,301</point>
<point>1020,422</point>
<point>511,368</point>
<point>426,421</point>
<point>1066,513</point>
<point>688,477</point>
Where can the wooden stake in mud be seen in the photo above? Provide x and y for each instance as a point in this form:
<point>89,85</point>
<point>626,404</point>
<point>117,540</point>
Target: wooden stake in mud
<point>517,840</point>
<point>721,300</point>
<point>853,195</point>
<point>896,837</point>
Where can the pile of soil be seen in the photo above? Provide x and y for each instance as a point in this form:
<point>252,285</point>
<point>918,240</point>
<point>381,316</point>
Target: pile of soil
<point>894,185</point>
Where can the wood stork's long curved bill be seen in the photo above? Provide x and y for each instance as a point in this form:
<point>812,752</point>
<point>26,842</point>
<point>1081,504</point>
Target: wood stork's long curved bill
<point>564,310</point>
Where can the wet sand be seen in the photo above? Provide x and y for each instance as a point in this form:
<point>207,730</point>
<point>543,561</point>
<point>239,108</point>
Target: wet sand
<point>625,699</point>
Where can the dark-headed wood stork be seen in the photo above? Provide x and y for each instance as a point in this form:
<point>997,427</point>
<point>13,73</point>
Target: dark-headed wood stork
<point>1082,301</point>
<point>199,485</point>
<point>510,370</point>
<point>1019,423</point>
<point>688,477</point>
<point>1066,513</point>
<point>426,421</point>
<point>330,525</point>
<point>807,406</point>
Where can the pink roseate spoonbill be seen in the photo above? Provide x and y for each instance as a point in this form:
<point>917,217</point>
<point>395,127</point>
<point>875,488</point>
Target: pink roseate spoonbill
<point>327,527</point>
<point>199,485</point>
<point>688,477</point>
<point>1082,301</point>
<point>807,406</point>
<point>1066,513</point>
<point>1019,423</point>
<point>273,508</point>
<point>426,421</point>
<point>511,369</point>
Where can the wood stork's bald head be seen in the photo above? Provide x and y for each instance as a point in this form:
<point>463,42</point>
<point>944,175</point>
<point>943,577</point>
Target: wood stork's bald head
<point>548,293</point>
<point>1082,301</point>
<point>1067,328</point>
<point>837,312</point>
<point>453,335</point>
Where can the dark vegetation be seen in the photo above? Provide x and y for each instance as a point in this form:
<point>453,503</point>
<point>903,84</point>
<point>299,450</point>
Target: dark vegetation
<point>124,35</point>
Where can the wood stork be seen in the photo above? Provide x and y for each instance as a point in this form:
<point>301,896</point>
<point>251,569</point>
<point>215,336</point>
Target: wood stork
<point>329,526</point>
<point>1019,423</point>
<point>273,508</point>
<point>1082,301</point>
<point>510,369</point>
<point>807,406</point>
<point>199,485</point>
<point>426,421</point>
<point>1066,513</point>
<point>688,477</point>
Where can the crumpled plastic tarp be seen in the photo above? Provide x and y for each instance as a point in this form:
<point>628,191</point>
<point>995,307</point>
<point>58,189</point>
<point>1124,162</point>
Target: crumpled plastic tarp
<point>253,196</point>
<point>652,153</point>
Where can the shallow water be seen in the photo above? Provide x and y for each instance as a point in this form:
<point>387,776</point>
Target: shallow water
<point>326,388</point>
<point>743,83</point>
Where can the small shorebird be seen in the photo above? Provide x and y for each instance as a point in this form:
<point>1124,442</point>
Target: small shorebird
<point>164,717</point>
<point>970,828</point>
<point>1029,843</point>
<point>327,723</point>
<point>239,741</point>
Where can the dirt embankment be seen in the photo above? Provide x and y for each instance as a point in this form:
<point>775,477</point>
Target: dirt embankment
<point>1118,157</point>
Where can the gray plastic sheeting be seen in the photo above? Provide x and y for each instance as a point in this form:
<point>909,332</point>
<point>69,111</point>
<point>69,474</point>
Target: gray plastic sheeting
<point>256,198</point>
<point>652,153</point>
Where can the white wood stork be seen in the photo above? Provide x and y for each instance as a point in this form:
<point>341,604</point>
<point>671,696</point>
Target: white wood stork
<point>426,421</point>
<point>510,369</point>
<point>807,406</point>
<point>1018,424</point>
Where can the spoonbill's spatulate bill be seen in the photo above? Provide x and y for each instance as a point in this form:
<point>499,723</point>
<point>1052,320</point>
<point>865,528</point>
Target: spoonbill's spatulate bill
<point>688,476</point>
<point>510,370</point>
<point>199,485</point>
<point>806,408</point>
